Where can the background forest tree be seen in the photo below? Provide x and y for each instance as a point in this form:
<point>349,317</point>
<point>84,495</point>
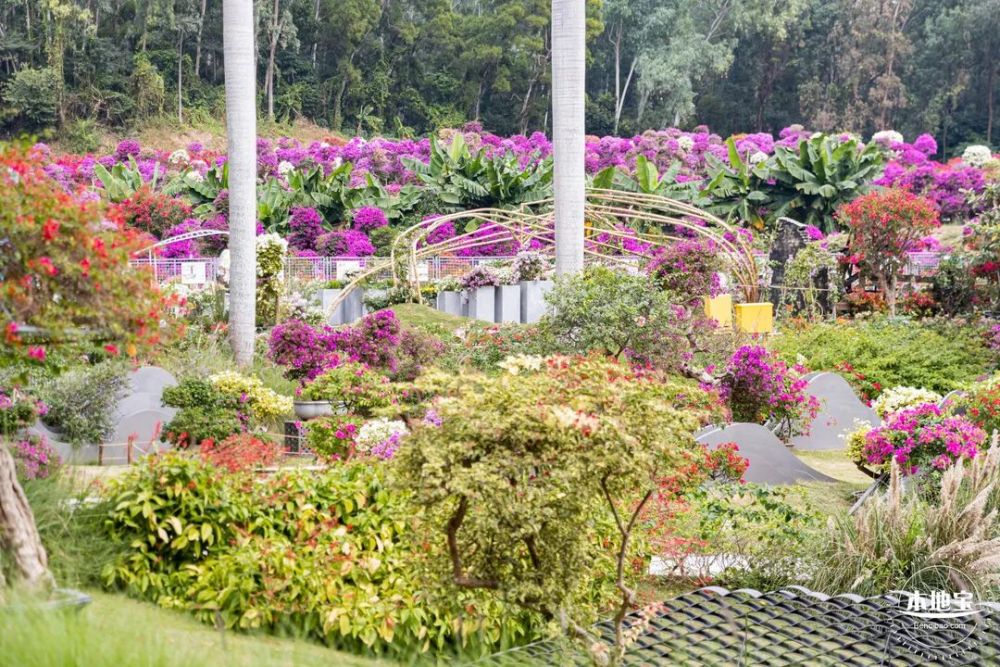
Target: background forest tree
<point>410,66</point>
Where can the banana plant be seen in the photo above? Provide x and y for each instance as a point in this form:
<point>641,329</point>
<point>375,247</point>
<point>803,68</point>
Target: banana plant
<point>460,179</point>
<point>121,181</point>
<point>823,174</point>
<point>201,191</point>
<point>738,191</point>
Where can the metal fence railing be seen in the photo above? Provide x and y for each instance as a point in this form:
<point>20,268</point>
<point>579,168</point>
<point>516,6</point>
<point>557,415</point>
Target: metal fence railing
<point>201,271</point>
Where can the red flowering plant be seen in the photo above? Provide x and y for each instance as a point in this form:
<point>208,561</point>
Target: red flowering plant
<point>868,388</point>
<point>884,225</point>
<point>240,452</point>
<point>152,212</point>
<point>64,271</point>
<point>982,404</point>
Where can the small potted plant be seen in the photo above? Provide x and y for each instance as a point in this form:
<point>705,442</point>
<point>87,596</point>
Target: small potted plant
<point>449,296</point>
<point>480,292</point>
<point>310,403</point>
<point>530,270</point>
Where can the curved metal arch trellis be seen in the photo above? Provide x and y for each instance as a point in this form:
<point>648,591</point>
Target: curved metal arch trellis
<point>605,212</point>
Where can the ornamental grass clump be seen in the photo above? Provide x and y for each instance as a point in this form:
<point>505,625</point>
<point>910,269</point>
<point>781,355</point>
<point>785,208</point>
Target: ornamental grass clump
<point>903,541</point>
<point>523,467</point>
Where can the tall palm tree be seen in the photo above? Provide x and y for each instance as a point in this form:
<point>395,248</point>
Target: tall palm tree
<point>241,131</point>
<point>568,74</point>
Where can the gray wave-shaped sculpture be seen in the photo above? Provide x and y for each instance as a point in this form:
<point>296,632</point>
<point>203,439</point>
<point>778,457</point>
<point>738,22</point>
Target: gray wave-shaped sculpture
<point>771,462</point>
<point>139,415</point>
<point>839,408</point>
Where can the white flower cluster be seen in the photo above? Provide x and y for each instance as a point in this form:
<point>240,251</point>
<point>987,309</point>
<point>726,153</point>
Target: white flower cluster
<point>378,430</point>
<point>887,138</point>
<point>977,156</point>
<point>284,167</point>
<point>686,143</point>
<point>178,156</point>
<point>516,363</point>
<point>757,157</point>
<point>902,398</point>
<point>266,241</point>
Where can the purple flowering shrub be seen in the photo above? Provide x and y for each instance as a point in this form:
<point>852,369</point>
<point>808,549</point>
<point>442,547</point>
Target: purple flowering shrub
<point>368,218</point>
<point>688,270</point>
<point>34,458</point>
<point>301,349</point>
<point>922,436</point>
<point>344,243</point>
<point>306,225</point>
<point>758,388</point>
<point>377,341</point>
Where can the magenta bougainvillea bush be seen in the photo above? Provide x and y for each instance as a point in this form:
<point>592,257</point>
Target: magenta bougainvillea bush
<point>377,341</point>
<point>758,387</point>
<point>34,458</point>
<point>920,437</point>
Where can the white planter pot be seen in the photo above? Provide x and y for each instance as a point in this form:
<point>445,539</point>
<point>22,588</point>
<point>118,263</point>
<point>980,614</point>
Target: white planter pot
<point>306,410</point>
<point>507,304</point>
<point>450,302</point>
<point>533,299</point>
<point>481,303</point>
<point>336,316</point>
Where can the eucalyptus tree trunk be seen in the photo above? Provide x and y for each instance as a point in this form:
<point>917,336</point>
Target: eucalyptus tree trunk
<point>241,128</point>
<point>18,535</point>
<point>568,73</point>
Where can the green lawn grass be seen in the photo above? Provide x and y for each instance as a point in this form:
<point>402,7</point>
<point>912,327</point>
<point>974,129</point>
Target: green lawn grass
<point>429,319</point>
<point>115,631</point>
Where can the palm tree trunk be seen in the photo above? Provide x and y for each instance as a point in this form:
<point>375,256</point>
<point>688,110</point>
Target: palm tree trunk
<point>568,116</point>
<point>18,534</point>
<point>241,127</point>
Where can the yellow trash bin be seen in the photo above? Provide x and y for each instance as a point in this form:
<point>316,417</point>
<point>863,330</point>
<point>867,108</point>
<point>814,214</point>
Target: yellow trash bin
<point>720,309</point>
<point>755,318</point>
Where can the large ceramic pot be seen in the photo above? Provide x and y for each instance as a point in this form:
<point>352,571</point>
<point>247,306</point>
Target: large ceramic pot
<point>306,410</point>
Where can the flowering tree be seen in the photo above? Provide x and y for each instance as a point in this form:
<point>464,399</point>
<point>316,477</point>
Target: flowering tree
<point>63,275</point>
<point>884,225</point>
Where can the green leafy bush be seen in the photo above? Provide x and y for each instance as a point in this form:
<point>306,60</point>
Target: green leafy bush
<point>880,353</point>
<point>519,469</point>
<point>82,402</point>
<point>359,388</point>
<point>204,413</point>
<point>32,97</point>
<point>330,556</point>
<point>760,526</point>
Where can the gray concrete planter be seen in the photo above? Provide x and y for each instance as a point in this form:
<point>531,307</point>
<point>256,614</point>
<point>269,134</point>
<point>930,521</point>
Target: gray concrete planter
<point>306,410</point>
<point>481,302</point>
<point>507,306</point>
<point>328,296</point>
<point>370,293</point>
<point>449,302</point>
<point>353,307</point>
<point>533,299</point>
